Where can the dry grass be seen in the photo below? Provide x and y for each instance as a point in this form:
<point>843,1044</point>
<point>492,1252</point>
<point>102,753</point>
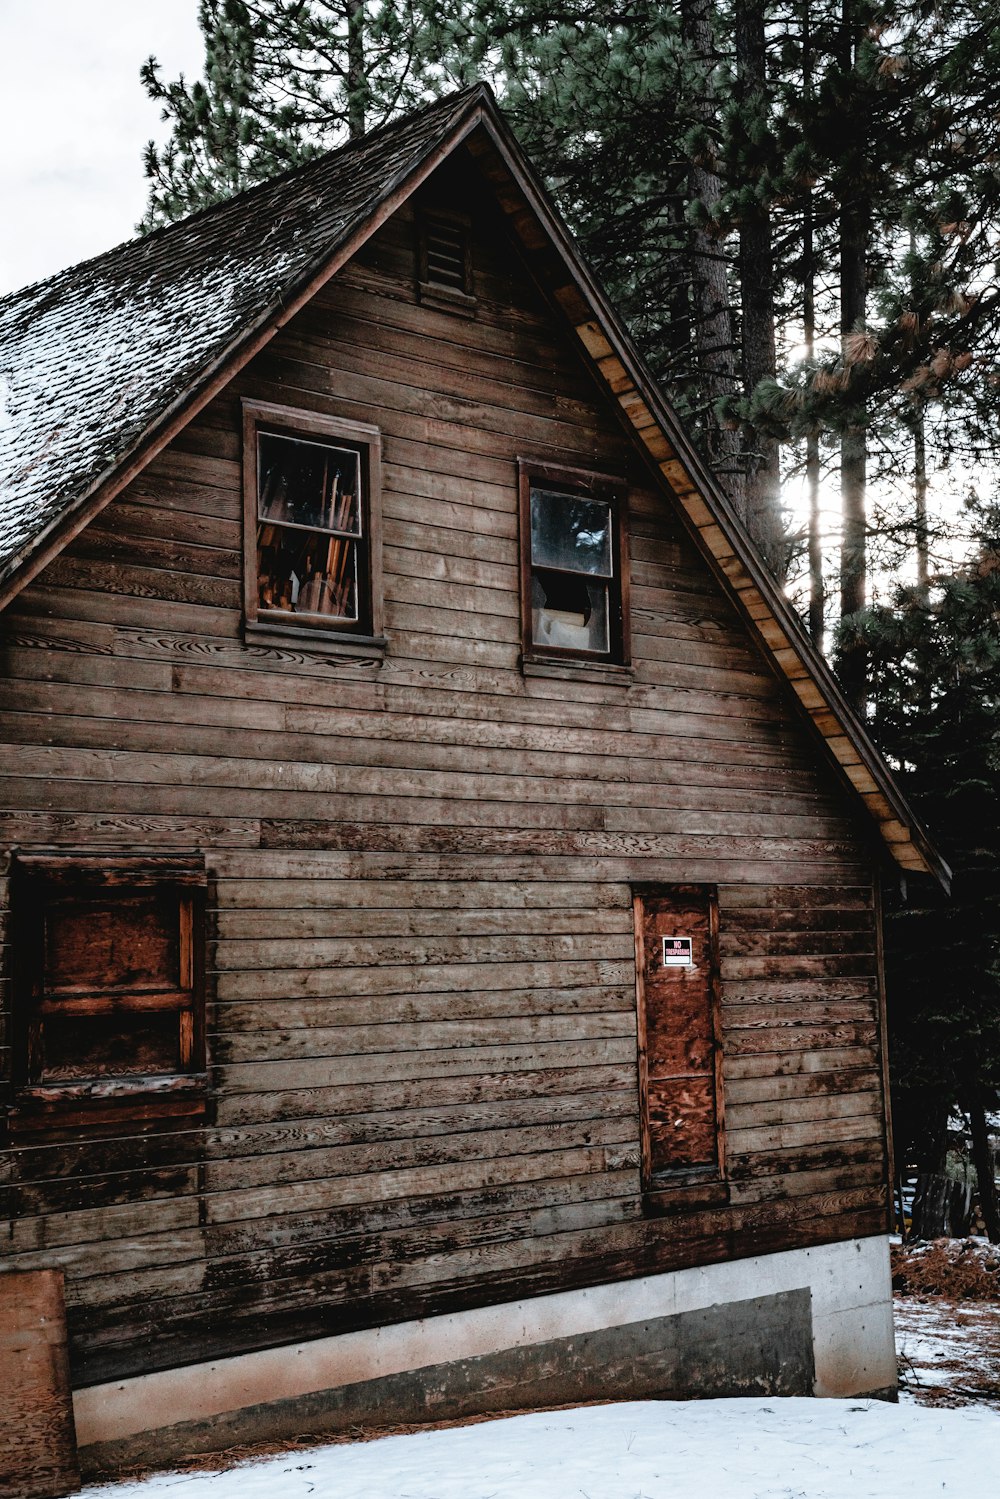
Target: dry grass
<point>949,1352</point>
<point>954,1269</point>
<point>251,1452</point>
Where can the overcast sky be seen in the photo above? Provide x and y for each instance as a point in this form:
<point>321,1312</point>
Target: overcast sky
<point>73,121</point>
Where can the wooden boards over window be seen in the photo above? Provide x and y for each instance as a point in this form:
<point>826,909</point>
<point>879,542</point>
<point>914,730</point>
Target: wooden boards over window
<point>37,1438</point>
<point>444,260</point>
<point>109,988</point>
<point>680,1055</point>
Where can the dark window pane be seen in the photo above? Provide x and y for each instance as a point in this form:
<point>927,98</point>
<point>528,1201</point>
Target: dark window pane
<point>307,572</point>
<point>570,532</point>
<point>308,484</point>
<point>569,612</point>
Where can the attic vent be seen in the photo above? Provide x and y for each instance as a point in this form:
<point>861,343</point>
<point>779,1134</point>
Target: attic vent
<point>446,256</point>
<point>444,265</point>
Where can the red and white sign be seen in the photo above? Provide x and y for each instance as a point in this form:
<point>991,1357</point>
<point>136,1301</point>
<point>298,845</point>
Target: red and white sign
<point>677,952</point>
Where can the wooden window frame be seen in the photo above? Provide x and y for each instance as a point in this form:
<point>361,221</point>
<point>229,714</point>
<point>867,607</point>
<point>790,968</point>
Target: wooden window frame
<point>361,637</point>
<point>692,1184</point>
<point>38,879</point>
<point>439,294</point>
<point>591,484</point>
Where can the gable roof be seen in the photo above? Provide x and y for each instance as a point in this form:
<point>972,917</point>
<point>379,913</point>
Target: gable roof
<point>101,365</point>
<point>95,356</point>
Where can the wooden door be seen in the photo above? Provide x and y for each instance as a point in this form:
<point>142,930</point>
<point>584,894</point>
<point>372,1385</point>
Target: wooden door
<point>680,1054</point>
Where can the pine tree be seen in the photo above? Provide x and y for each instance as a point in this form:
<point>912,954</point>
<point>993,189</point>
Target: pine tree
<point>709,273</point>
<point>936,681</point>
<point>283,81</point>
<point>855,187</point>
<point>218,145</point>
<point>893,131</point>
<point>627,111</point>
<point>751,115</point>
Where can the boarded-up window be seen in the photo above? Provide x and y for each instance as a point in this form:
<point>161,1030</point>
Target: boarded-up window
<point>679,1052</point>
<point>109,986</point>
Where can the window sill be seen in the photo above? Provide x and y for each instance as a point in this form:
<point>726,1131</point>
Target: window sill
<point>57,1106</point>
<point>565,669</point>
<point>365,649</point>
<point>446,299</point>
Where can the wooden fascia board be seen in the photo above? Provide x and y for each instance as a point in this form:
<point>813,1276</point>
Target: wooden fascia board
<point>718,532</point>
<point>224,367</point>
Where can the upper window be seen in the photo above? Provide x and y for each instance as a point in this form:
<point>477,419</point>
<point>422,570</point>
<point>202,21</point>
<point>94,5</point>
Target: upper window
<point>109,1010</point>
<point>574,583</point>
<point>311,526</point>
<point>444,260</point>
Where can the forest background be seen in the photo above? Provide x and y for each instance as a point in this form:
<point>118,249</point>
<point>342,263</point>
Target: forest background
<point>796,208</point>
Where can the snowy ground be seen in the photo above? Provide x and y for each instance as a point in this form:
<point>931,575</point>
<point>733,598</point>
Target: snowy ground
<point>949,1355</point>
<point>724,1449</point>
<point>942,1440</point>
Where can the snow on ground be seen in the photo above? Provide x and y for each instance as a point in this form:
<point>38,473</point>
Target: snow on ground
<point>949,1354</point>
<point>942,1440</point>
<point>725,1449</point>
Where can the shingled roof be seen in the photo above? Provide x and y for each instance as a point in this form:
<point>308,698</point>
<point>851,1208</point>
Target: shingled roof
<point>91,358</point>
<point>101,365</point>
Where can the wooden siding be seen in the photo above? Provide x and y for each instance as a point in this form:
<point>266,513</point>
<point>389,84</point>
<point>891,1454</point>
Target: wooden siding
<point>421,1024</point>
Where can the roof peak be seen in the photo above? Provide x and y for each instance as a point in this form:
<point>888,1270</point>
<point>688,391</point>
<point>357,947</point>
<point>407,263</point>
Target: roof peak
<point>371,140</point>
<point>355,145</point>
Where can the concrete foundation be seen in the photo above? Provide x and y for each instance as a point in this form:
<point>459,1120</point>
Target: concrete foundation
<point>805,1321</point>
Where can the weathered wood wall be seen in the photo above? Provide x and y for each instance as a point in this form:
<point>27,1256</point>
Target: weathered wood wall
<point>422,984</point>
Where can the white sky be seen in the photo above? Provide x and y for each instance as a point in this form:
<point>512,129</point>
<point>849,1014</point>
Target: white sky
<point>73,121</point>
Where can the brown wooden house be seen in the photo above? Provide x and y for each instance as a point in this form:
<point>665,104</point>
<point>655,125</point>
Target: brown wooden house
<point>439,880</point>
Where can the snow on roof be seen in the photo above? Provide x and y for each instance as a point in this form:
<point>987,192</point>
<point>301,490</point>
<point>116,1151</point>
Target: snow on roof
<point>92,358</point>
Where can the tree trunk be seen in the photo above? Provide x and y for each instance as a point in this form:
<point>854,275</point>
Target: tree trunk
<point>711,315</point>
<point>815,534</point>
<point>817,600</point>
<point>920,476</point>
<point>854,229</point>
<point>982,1158</point>
<point>817,623</point>
<point>853,565</point>
<point>932,1207</point>
<point>920,505</point>
<point>357,83</point>
<point>763,480</point>
<point>927,1147</point>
